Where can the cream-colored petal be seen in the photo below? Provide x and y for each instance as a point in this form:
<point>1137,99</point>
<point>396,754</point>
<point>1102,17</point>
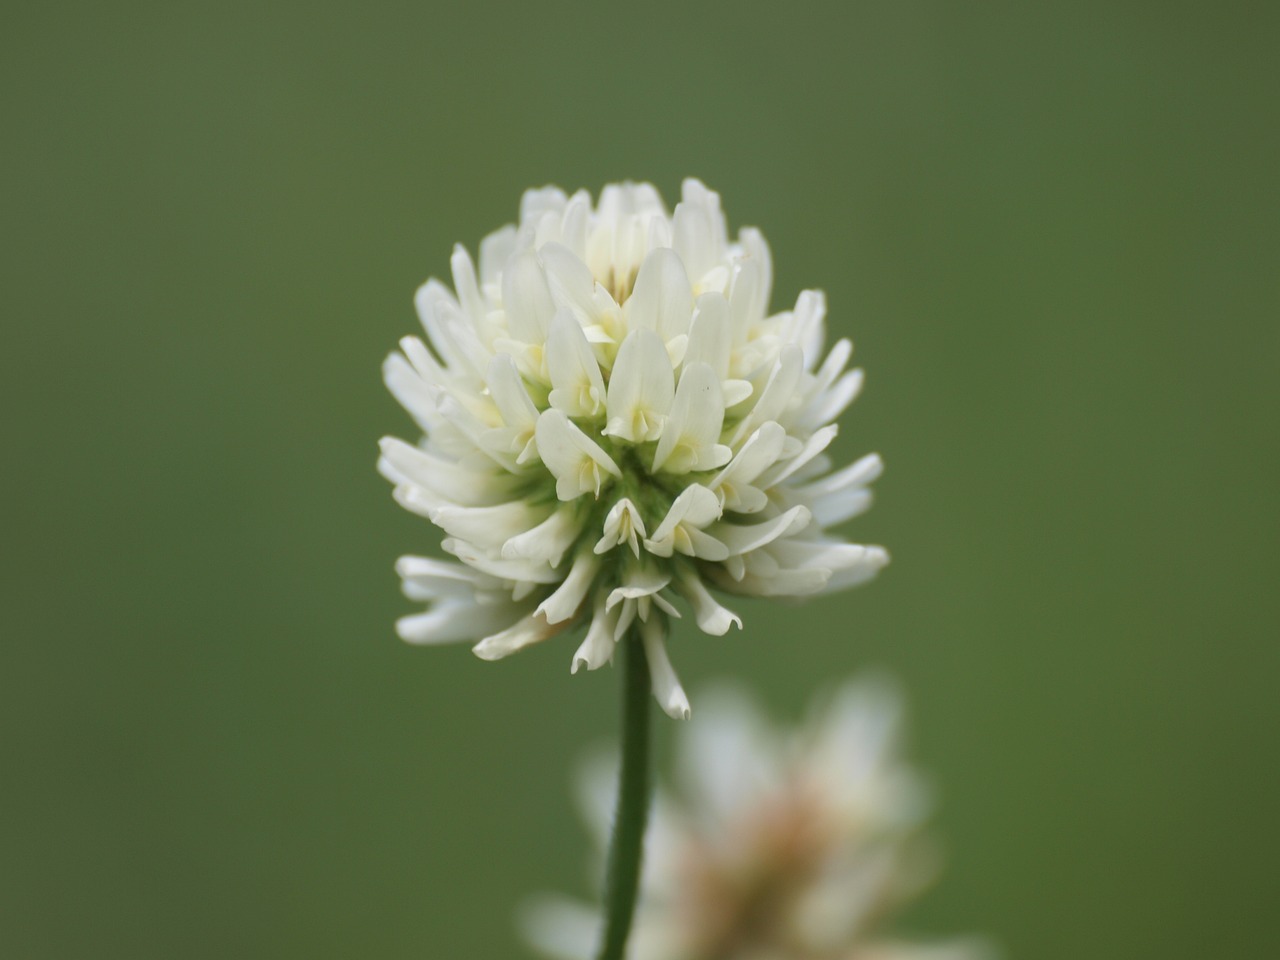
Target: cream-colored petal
<point>641,388</point>
<point>578,463</point>
<point>690,438</point>
<point>666,685</point>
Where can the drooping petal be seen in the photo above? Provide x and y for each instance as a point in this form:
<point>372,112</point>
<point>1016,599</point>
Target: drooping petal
<point>445,479</point>
<point>597,649</point>
<point>639,580</point>
<point>425,578</point>
<point>489,527</point>
<point>712,618</point>
<point>567,598</point>
<point>549,540</point>
<point>457,620</point>
<point>529,630</point>
<point>666,685</point>
<point>516,570</point>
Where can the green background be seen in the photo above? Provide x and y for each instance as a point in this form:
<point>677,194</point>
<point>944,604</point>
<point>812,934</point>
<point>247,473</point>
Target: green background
<point>1051,230</point>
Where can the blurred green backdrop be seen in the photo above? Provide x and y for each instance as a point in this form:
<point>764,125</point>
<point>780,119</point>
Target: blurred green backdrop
<point>1051,230</point>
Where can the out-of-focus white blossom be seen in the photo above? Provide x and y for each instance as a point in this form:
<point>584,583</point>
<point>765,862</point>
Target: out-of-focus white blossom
<point>612,422</point>
<point>775,844</point>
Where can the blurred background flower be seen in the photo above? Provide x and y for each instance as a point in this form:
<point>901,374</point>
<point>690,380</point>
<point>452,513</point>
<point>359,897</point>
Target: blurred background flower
<point>775,843</point>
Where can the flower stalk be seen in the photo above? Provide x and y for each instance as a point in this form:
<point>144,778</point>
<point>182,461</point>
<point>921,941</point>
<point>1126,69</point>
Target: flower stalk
<point>626,847</point>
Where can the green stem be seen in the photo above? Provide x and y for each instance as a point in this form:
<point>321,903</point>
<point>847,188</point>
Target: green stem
<point>626,848</point>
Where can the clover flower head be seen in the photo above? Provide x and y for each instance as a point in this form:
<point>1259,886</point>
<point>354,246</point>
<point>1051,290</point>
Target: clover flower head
<point>613,423</point>
<point>772,843</point>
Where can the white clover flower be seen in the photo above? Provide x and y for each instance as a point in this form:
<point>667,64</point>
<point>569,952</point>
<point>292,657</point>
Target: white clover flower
<point>776,844</point>
<point>614,422</point>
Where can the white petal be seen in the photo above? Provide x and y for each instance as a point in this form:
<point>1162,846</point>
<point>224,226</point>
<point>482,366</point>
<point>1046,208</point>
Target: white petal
<point>489,527</point>
<point>662,299</point>
<point>690,438</point>
<point>761,451</point>
<point>413,393</point>
<point>509,393</point>
<point>523,633</point>
<point>696,506</point>
<point>850,564</point>
<point>666,685</point>
<point>417,500</point>
<point>836,361</point>
<point>495,250</point>
<point>808,329</point>
<point>641,388</point>
<point>623,524</point>
<point>526,298</point>
<point>568,597</point>
<point>464,281</point>
<point>573,224</point>
<point>834,402</point>
<point>812,447</point>
<point>548,541</point>
<point>697,229</point>
<point>597,649</point>
<point>579,389</point>
<point>429,300</point>
<point>452,332</point>
<point>746,299</point>
<point>743,539</point>
<point>711,616</point>
<point>763,576</point>
<point>757,250</point>
<point>425,578</point>
<point>577,462</point>
<point>570,281</point>
<point>639,580</point>
<point>856,567</point>
<point>445,479</point>
<point>843,494</point>
<point>778,392</point>
<point>517,571</point>
<point>540,200</point>
<point>452,621</point>
<point>709,340</point>
<point>734,485</point>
